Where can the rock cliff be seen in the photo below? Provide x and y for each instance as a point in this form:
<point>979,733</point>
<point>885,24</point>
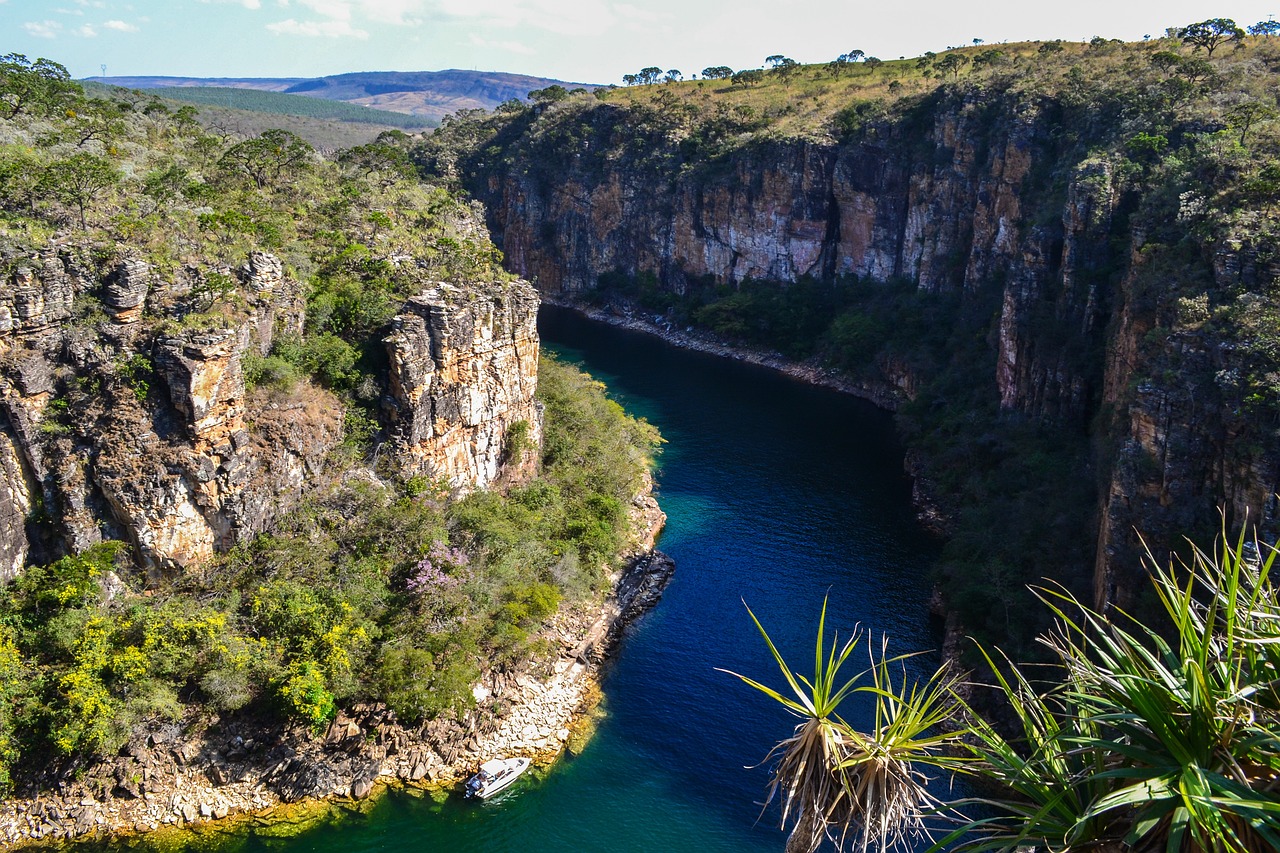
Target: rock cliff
<point>124,411</point>
<point>464,371</point>
<point>978,198</point>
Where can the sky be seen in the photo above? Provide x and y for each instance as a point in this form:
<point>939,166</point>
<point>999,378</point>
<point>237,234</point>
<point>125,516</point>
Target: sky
<point>587,41</point>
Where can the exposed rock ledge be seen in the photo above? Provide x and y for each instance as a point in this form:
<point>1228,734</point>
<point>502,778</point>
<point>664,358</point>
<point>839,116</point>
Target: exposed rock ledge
<point>175,776</point>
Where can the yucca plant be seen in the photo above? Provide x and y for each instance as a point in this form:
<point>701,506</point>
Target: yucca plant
<point>834,781</point>
<point>1158,739</point>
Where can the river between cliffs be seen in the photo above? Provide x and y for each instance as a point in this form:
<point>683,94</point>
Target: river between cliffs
<point>777,493</point>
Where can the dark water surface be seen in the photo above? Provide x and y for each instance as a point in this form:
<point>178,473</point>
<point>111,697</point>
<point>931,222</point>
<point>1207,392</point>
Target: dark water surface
<point>776,494</point>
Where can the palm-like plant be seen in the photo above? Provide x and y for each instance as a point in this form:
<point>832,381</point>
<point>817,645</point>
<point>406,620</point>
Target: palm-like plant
<point>834,781</point>
<point>1157,740</point>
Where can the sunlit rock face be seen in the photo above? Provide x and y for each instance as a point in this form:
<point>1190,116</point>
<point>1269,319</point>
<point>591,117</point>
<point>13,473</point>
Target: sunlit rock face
<point>124,411</point>
<point>463,378</point>
<point>975,201</point>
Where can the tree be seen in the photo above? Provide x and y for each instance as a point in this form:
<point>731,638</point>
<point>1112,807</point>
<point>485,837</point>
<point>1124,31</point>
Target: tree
<point>381,161</point>
<point>41,88</point>
<point>95,118</point>
<point>786,68</point>
<point>1264,28</point>
<point>550,95</point>
<point>629,79</point>
<point>79,180</point>
<point>649,75</point>
<point>775,60</point>
<point>1210,34</point>
<point>1246,115</point>
<point>749,77</point>
<point>855,55</point>
<point>987,58</point>
<point>873,62</point>
<point>838,65</point>
<point>164,184</point>
<point>832,780</point>
<point>268,157</point>
<point>20,173</point>
<point>674,76</point>
<point>717,72</point>
<point>952,63</point>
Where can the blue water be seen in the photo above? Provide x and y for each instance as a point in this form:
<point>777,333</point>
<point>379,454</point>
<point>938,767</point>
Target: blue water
<point>776,494</point>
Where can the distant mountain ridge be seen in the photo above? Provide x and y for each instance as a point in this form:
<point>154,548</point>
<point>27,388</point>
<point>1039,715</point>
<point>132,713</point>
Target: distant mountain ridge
<point>431,94</point>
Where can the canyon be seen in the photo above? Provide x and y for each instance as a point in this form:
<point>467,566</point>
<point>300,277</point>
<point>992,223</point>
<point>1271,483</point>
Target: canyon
<point>1072,273</point>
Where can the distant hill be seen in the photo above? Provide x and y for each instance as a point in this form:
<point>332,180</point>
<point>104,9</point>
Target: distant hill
<point>428,94</point>
<point>278,103</point>
<point>326,134</point>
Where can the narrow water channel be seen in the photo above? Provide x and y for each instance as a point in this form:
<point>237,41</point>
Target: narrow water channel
<point>777,494</point>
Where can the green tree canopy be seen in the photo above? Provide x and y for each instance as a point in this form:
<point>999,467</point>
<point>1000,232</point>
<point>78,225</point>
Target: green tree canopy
<point>1210,34</point>
<point>269,157</point>
<point>40,88</point>
<point>79,180</point>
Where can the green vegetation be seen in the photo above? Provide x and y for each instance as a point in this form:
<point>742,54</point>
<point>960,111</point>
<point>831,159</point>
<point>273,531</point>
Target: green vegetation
<point>1160,736</point>
<point>836,780</point>
<point>367,591</point>
<point>278,103</point>
<point>375,587</point>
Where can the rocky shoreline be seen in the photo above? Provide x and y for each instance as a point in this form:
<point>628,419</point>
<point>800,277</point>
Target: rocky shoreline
<point>189,775</point>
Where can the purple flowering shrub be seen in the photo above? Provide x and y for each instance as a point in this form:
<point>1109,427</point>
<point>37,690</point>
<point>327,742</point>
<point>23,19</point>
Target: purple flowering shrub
<point>443,569</point>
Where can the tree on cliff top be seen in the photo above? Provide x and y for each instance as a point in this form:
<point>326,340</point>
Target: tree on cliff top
<point>269,157</point>
<point>1210,34</point>
<point>79,180</point>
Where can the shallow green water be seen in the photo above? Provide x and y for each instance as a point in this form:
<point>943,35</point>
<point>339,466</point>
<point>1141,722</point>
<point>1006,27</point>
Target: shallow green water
<point>776,494</point>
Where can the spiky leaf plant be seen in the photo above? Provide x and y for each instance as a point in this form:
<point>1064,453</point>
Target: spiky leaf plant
<point>1162,737</point>
<point>834,781</point>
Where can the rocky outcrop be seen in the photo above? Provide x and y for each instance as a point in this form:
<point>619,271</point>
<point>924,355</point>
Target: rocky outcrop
<point>139,425</point>
<point>948,199</point>
<point>464,369</point>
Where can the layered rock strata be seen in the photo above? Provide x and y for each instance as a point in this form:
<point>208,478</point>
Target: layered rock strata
<point>463,377</point>
<point>973,198</point>
<point>124,412</point>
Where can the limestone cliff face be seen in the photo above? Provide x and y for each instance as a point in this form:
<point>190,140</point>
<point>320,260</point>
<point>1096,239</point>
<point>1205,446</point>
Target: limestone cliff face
<point>973,199</point>
<point>124,412</point>
<point>464,369</point>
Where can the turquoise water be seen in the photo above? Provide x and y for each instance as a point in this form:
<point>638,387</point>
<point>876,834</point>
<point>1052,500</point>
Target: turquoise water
<point>777,493</point>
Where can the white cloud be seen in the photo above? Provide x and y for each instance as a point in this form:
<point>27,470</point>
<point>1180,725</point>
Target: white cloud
<point>635,13</point>
<point>326,29</point>
<point>248,4</point>
<point>508,46</point>
<point>43,29</point>
<point>86,31</point>
<point>121,26</point>
<point>565,17</point>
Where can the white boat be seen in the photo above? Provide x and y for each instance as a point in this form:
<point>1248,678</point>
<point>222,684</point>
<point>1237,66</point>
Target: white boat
<point>495,775</point>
